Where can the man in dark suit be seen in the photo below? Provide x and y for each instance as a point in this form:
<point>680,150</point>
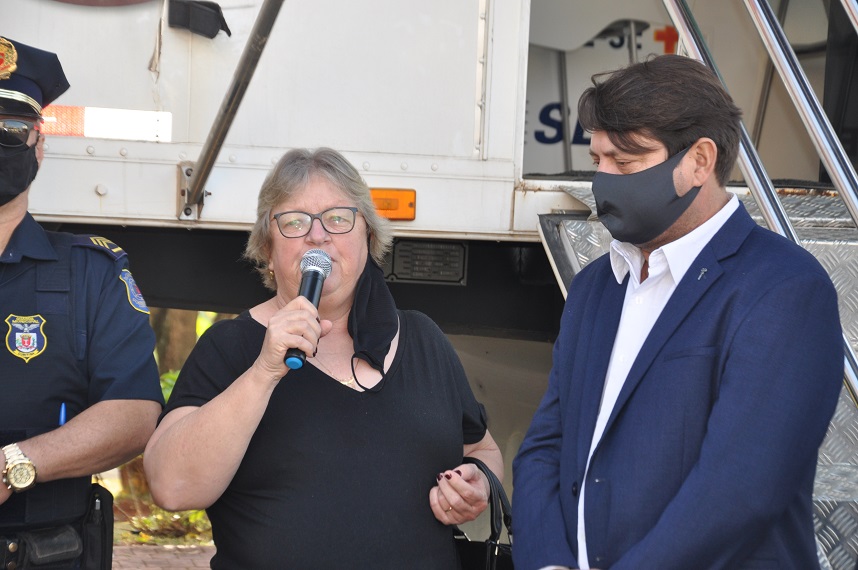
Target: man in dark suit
<point>697,366</point>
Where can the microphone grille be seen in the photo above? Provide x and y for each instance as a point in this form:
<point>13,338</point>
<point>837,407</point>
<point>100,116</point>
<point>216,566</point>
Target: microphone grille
<point>316,260</point>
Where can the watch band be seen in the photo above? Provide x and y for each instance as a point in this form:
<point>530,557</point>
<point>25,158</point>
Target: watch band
<point>12,451</point>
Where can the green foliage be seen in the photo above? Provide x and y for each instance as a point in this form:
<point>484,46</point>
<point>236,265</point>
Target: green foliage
<point>168,380</point>
<point>204,321</point>
<point>165,527</point>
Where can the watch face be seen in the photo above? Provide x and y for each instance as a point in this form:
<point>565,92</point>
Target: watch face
<point>21,476</point>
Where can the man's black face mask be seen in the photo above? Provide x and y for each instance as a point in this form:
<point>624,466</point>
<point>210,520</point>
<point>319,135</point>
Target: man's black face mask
<point>18,168</point>
<point>637,208</point>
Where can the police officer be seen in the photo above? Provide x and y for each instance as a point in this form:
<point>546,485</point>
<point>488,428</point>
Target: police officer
<point>79,389</point>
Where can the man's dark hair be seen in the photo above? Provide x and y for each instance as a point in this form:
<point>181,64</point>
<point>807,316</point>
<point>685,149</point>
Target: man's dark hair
<point>669,98</point>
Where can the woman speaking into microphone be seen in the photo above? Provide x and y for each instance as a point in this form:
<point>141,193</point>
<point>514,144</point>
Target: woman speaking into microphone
<point>353,459</point>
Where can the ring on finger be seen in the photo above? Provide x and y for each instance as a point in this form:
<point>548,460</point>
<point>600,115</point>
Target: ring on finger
<point>450,508</point>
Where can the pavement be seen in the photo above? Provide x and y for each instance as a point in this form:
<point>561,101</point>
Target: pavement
<point>154,557</point>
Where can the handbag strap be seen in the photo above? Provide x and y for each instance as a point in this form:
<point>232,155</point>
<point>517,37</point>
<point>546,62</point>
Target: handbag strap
<point>500,510</point>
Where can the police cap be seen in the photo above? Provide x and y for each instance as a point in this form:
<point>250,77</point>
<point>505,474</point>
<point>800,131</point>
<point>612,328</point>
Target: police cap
<point>30,78</point>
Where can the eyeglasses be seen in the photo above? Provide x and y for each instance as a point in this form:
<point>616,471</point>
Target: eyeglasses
<point>15,132</point>
<point>295,224</point>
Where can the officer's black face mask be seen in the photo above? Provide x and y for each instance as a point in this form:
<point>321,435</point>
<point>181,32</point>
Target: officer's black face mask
<point>637,208</point>
<point>18,168</point>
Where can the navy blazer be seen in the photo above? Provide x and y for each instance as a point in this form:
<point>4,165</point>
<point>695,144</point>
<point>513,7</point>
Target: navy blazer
<point>709,456</point>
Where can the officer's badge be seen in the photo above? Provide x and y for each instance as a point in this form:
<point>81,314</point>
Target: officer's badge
<point>8,58</point>
<point>135,297</point>
<point>26,338</point>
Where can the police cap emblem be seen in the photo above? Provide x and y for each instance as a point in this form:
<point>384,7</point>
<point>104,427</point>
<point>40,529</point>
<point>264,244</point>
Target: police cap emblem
<point>8,58</point>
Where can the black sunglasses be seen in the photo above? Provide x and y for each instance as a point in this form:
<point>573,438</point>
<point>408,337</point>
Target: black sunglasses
<point>15,132</point>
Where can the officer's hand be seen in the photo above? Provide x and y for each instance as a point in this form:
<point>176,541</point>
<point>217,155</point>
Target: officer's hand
<point>5,493</point>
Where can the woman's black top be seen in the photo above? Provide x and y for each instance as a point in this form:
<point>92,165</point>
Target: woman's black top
<point>336,478</point>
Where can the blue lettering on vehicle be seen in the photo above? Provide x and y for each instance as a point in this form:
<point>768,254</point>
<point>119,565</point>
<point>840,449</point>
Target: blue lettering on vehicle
<point>548,117</point>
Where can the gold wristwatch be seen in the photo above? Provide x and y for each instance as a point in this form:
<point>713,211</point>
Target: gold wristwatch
<point>20,473</point>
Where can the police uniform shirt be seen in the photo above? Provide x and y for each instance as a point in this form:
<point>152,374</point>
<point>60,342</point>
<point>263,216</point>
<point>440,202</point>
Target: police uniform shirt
<point>76,331</point>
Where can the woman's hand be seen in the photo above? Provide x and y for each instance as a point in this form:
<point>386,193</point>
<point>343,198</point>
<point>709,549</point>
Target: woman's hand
<point>296,325</point>
<point>460,495</point>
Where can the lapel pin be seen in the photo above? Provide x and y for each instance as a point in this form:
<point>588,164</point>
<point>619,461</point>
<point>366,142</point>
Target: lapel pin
<point>702,273</point>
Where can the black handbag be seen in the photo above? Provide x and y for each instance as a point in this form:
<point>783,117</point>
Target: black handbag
<point>488,554</point>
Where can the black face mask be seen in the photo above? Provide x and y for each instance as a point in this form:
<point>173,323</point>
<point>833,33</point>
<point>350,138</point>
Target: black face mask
<point>637,208</point>
<point>17,171</point>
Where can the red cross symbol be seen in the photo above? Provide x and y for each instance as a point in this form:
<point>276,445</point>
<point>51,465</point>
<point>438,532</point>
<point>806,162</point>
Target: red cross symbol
<point>669,36</point>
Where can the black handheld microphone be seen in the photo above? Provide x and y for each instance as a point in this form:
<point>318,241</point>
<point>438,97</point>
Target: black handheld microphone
<point>315,267</point>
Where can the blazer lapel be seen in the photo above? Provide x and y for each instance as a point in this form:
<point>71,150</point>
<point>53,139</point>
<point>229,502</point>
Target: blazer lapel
<point>606,321</point>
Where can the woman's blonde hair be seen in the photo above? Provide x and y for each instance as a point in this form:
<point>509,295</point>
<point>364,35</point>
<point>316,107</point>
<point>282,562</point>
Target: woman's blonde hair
<point>291,175</point>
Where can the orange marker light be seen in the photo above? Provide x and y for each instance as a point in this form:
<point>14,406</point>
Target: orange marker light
<point>395,203</point>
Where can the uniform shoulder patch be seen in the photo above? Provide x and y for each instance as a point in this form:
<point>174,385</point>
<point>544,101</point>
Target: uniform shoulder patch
<point>101,244</point>
<point>135,297</point>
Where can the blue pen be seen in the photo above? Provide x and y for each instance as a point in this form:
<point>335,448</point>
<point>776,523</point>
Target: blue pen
<point>63,413</point>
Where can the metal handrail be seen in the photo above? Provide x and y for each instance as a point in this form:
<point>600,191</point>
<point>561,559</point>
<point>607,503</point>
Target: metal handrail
<point>755,173</point>
<point>815,121</point>
<point>229,106</point>
<point>851,8</point>
<point>810,110</point>
<point>819,128</point>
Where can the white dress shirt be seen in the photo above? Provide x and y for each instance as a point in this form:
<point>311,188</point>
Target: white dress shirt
<point>641,308</point>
